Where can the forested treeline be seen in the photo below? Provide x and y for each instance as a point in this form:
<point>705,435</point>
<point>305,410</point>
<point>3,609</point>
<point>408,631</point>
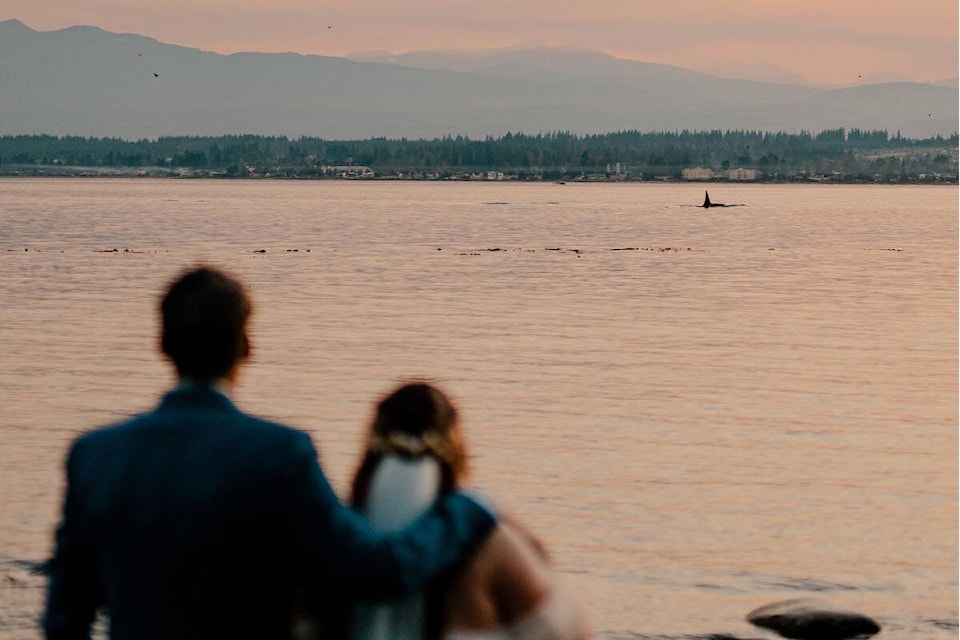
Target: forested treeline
<point>660,154</point>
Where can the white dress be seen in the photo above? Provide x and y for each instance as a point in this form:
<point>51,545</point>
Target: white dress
<point>401,489</point>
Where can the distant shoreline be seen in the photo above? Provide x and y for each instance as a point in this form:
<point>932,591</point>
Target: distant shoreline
<point>138,173</point>
<point>855,156</point>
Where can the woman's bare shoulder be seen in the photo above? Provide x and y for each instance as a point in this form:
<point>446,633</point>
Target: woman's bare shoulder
<point>503,580</point>
<point>523,536</point>
<point>520,587</point>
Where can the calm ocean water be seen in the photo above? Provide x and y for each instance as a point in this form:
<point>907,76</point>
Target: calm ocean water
<point>700,411</point>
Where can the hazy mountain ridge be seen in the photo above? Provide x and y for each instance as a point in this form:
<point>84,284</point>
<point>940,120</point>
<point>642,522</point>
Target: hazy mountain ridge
<point>89,82</point>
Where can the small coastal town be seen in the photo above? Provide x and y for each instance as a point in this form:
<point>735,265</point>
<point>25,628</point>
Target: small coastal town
<point>835,156</point>
<point>361,172</point>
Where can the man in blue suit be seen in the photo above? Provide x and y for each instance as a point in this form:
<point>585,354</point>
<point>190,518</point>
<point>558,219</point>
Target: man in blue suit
<point>198,521</point>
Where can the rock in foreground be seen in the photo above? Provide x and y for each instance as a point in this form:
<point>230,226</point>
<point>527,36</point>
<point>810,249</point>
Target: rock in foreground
<point>807,620</point>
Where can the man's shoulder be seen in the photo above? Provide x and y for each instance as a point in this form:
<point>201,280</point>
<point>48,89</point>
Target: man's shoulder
<point>231,425</point>
<point>109,432</point>
<point>263,428</point>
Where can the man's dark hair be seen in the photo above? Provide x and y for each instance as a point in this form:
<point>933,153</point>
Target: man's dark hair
<point>204,316</point>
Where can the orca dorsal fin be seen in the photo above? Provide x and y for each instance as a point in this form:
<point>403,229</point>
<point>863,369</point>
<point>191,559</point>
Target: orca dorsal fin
<point>706,199</point>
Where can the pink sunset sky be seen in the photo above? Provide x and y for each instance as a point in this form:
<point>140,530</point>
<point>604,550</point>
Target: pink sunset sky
<point>827,41</point>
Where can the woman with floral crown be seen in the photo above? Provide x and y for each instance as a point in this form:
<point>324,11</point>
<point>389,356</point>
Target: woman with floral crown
<point>506,589</point>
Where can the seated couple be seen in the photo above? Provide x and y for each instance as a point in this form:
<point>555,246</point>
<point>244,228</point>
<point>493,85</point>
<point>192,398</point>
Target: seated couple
<point>196,520</point>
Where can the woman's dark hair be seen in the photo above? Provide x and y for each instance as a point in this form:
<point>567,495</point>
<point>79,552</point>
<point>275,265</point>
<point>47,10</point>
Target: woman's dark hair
<point>204,316</point>
<point>414,420</point>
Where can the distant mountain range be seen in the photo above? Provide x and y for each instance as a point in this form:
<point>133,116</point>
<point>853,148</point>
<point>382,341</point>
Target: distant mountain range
<point>88,82</point>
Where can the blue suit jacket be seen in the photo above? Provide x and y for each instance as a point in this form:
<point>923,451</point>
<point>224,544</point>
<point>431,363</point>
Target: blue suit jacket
<point>198,521</point>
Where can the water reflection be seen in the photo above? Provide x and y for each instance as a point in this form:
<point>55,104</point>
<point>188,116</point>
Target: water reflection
<point>770,413</point>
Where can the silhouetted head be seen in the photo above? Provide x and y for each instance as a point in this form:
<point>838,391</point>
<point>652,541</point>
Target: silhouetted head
<point>415,408</point>
<point>204,315</point>
<point>415,420</point>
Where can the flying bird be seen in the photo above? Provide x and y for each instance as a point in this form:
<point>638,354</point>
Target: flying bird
<point>156,75</point>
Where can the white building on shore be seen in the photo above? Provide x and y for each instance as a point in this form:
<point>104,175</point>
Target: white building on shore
<point>347,171</point>
<point>697,173</point>
<point>742,175</point>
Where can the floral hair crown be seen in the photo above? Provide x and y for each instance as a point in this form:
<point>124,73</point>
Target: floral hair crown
<point>411,446</point>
